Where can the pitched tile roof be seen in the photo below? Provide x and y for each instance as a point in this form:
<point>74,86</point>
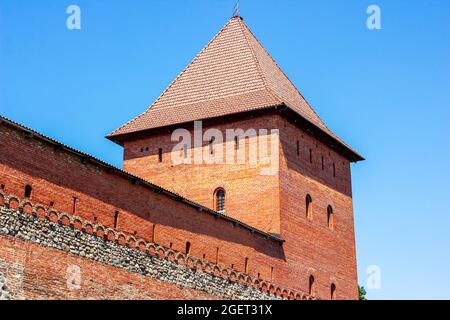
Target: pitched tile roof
<point>233,73</point>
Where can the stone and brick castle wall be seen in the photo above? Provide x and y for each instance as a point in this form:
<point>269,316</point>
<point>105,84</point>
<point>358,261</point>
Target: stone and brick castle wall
<point>82,202</point>
<point>44,257</point>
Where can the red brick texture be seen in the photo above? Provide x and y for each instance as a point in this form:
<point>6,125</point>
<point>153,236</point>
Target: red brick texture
<point>327,253</point>
<point>57,177</point>
<point>276,204</point>
<point>250,197</point>
<point>271,203</point>
<point>39,273</point>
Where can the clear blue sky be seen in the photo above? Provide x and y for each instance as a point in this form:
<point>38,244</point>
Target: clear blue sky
<point>385,92</point>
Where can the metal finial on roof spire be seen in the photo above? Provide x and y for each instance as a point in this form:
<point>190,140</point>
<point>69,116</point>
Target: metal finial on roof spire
<point>236,10</point>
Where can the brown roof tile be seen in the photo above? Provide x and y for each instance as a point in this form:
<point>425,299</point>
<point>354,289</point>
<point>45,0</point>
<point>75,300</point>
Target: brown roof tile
<point>233,73</point>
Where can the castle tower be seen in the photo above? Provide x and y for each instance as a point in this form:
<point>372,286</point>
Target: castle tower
<point>299,186</point>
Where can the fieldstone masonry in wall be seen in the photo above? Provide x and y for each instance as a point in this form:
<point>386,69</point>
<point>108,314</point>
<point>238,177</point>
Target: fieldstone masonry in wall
<point>171,267</point>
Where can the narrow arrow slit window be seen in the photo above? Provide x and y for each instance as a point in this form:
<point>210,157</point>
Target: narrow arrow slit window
<point>220,200</point>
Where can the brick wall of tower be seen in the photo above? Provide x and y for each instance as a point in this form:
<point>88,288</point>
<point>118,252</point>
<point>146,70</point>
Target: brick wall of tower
<point>329,255</point>
<point>311,248</point>
<point>251,195</point>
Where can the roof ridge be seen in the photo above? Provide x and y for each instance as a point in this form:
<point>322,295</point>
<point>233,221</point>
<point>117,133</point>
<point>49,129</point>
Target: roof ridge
<point>177,77</point>
<point>257,63</point>
<point>284,74</point>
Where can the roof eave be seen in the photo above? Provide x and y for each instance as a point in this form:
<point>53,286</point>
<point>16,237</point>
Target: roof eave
<point>115,138</point>
<point>318,132</point>
<point>346,151</point>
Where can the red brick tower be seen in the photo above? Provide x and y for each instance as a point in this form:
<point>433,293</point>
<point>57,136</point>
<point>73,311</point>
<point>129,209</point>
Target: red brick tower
<point>306,198</point>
